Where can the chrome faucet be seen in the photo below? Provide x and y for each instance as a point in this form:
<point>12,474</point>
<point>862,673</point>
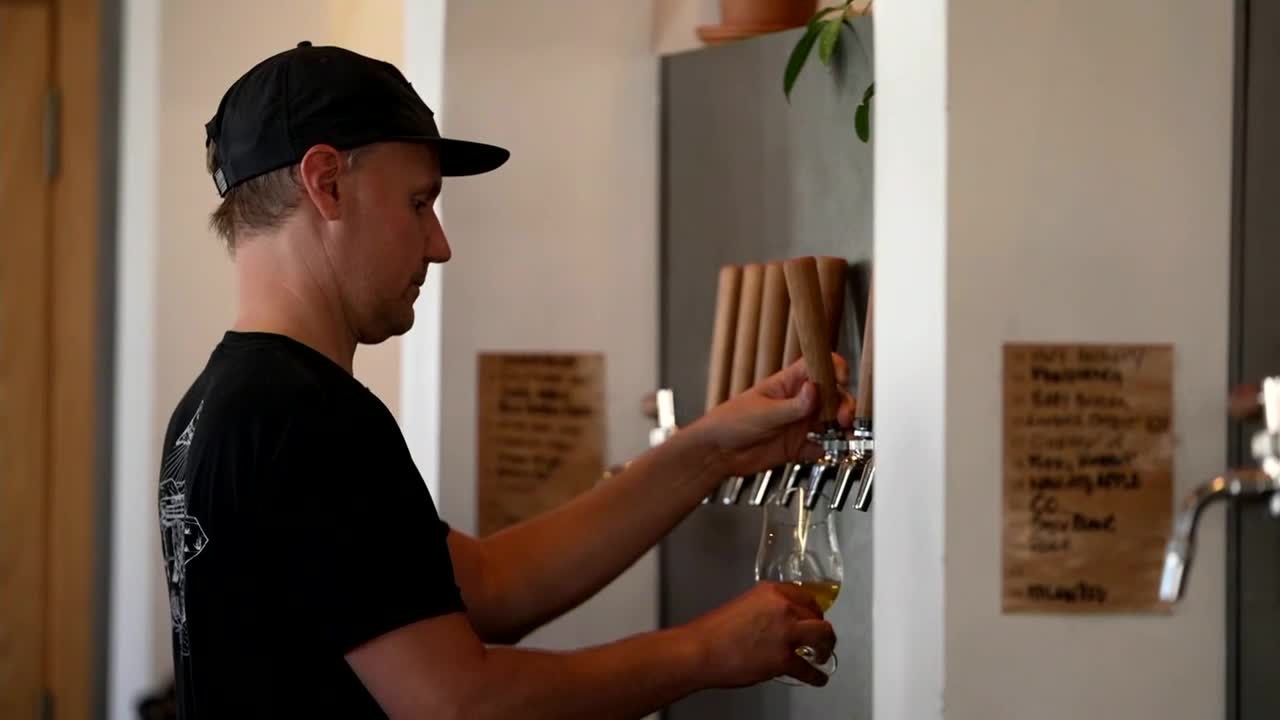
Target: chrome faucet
<point>1259,482</point>
<point>1181,546</point>
<point>665,401</point>
<point>859,466</point>
<point>664,411</point>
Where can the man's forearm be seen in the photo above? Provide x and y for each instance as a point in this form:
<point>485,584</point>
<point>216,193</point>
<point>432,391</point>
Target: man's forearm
<point>627,679</point>
<point>546,566</point>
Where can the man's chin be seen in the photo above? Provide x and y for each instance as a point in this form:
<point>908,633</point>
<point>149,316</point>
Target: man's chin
<point>395,328</point>
<point>404,325</point>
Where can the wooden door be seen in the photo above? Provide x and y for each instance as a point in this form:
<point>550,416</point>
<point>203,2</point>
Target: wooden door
<point>50,230</point>
<point>25,85</point>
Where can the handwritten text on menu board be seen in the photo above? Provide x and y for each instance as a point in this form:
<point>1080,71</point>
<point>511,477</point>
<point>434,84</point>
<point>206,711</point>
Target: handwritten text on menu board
<point>541,433</point>
<point>1088,471</point>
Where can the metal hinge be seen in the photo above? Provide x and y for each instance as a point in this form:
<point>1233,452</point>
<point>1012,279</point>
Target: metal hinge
<point>52,134</point>
<point>46,705</point>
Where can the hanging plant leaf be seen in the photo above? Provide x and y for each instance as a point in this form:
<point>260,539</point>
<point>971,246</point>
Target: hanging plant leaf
<point>828,39</point>
<point>799,54</point>
<point>862,118</point>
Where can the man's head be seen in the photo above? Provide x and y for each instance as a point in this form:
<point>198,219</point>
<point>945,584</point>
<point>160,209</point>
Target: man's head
<point>339,150</point>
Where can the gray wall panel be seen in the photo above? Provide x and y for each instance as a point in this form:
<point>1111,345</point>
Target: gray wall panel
<point>747,177</point>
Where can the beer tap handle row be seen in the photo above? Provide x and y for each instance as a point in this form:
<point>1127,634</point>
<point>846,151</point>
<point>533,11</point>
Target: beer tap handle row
<point>768,315</point>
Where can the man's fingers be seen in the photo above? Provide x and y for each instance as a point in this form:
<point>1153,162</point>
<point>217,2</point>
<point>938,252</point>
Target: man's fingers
<point>800,669</point>
<point>847,408</point>
<point>808,453</point>
<point>788,381</point>
<point>841,368</point>
<point>816,634</point>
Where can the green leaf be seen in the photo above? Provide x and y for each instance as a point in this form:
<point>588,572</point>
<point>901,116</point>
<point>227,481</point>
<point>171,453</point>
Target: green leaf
<point>862,118</point>
<point>799,54</point>
<point>827,42</point>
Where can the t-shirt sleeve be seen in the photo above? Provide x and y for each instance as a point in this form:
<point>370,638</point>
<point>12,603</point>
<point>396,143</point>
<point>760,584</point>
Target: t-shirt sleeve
<point>372,554</point>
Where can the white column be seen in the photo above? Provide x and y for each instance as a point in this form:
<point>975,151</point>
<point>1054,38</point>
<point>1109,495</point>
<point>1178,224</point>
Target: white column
<point>420,391</point>
<point>135,567</point>
<point>909,593</point>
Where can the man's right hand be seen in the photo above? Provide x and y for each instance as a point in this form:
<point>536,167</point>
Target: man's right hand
<point>439,668</point>
<point>754,637</point>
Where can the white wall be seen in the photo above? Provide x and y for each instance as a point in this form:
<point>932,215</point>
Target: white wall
<point>1086,199</point>
<point>176,283</point>
<point>558,249</point>
<point>675,23</point>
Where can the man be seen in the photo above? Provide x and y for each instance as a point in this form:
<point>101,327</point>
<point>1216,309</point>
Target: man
<point>309,574</point>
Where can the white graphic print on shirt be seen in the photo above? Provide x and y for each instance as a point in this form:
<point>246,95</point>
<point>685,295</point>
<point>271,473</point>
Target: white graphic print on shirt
<point>181,534</point>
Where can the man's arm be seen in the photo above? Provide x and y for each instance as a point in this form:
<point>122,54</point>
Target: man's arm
<point>516,580</point>
<point>439,668</point>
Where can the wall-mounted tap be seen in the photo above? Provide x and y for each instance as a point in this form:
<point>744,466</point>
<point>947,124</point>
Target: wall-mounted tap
<point>775,304</point>
<point>860,464</point>
<point>1247,482</point>
<point>814,333</point>
<point>752,309</point>
<point>1260,482</point>
<point>745,338</point>
<point>720,362</point>
<point>666,411</point>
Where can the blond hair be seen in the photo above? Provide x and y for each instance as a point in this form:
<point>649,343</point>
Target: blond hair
<point>259,204</point>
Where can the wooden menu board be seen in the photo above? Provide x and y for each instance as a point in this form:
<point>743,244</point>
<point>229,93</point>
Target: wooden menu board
<point>540,433</point>
<point>1088,472</point>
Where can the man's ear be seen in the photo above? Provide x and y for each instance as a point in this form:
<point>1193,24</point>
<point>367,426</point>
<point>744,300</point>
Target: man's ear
<point>319,171</point>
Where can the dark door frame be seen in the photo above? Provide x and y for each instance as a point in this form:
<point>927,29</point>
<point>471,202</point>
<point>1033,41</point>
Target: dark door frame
<point>1253,537</point>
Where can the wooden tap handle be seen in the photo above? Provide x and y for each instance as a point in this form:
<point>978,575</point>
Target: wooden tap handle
<point>832,272</point>
<point>811,326</point>
<point>791,349</point>
<point>831,277</point>
<point>747,329</point>
<point>719,365</point>
<point>774,307</point>
<point>865,368</point>
<point>1244,402</point>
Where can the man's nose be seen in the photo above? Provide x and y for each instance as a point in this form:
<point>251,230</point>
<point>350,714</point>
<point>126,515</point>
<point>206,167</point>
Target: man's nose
<point>438,250</point>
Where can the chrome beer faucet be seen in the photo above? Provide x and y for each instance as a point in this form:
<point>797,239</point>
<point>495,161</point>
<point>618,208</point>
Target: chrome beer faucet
<point>815,287</point>
<point>838,454</point>
<point>666,406</point>
<point>858,466</point>
<point>1259,482</point>
<point>860,462</point>
<point>663,409</point>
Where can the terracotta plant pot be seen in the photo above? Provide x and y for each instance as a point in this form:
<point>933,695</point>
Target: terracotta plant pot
<point>766,13</point>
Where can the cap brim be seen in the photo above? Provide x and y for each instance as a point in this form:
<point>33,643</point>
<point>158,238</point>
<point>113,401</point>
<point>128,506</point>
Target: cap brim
<point>459,158</point>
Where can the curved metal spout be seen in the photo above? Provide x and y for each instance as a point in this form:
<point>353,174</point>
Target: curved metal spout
<point>1181,546</point>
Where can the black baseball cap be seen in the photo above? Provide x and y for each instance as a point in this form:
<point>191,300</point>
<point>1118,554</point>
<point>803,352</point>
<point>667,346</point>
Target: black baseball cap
<point>307,95</point>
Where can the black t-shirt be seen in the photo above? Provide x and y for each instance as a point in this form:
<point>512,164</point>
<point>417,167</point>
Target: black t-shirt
<point>295,527</point>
